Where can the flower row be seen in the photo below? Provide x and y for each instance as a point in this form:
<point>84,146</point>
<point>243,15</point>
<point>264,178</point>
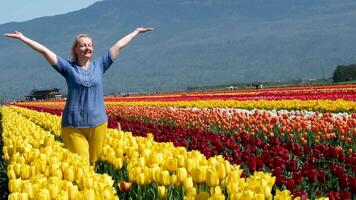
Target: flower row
<point>40,168</point>
<point>310,105</point>
<point>150,162</point>
<point>299,126</point>
<point>346,92</point>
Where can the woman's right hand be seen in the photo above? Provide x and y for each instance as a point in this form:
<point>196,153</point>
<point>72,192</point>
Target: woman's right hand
<point>16,35</point>
<point>48,54</point>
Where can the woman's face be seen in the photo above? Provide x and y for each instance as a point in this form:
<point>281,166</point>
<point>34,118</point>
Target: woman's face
<point>84,48</point>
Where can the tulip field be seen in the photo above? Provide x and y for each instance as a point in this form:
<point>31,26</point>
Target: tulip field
<point>276,143</point>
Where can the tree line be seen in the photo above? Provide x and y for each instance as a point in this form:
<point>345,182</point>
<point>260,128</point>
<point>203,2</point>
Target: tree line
<point>344,73</point>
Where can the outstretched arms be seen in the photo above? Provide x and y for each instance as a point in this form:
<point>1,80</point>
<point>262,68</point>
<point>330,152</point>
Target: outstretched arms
<point>48,54</point>
<point>115,49</point>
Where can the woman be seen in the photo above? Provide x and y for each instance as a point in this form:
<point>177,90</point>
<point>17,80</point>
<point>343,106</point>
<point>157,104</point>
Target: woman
<point>84,120</point>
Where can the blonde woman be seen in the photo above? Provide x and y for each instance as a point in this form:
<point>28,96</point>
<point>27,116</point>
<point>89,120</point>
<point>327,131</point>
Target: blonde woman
<point>84,120</point>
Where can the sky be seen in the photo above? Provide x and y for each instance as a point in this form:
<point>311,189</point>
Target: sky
<point>23,10</point>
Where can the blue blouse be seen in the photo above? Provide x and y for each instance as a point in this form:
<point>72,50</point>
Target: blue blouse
<point>85,100</point>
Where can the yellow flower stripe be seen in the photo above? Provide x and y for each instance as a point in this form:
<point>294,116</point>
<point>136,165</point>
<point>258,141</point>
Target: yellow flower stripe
<point>45,120</point>
<point>40,168</point>
<point>309,105</point>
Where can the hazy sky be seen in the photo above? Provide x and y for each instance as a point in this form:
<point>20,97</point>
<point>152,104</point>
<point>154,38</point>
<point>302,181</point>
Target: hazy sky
<point>23,10</point>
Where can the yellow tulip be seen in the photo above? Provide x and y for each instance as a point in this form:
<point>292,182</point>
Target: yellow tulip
<point>181,160</point>
<point>79,173</point>
<point>211,178</point>
<point>202,196</point>
<point>282,195</point>
<point>86,182</point>
<point>41,166</point>
<point>233,188</point>
<point>248,194</point>
<point>156,158</point>
<point>188,183</point>
<point>267,192</point>
<point>69,174</point>
<point>323,198</point>
<point>215,190</point>
<point>43,194</point>
<point>150,136</point>
<point>107,193</point>
<point>181,174</point>
<point>192,191</point>
<point>155,173</point>
<point>189,164</point>
<point>118,163</point>
<point>171,164</point>
<point>53,191</point>
<point>234,175</point>
<point>174,180</point>
<point>27,188</point>
<point>33,170</point>
<point>17,169</point>
<point>141,162</point>
<point>15,185</point>
<point>161,192</point>
<point>14,196</point>
<point>140,178</point>
<point>11,174</point>
<point>63,195</point>
<point>165,178</point>
<point>198,174</point>
<point>89,195</point>
<point>148,175</point>
<point>221,171</point>
<point>24,196</point>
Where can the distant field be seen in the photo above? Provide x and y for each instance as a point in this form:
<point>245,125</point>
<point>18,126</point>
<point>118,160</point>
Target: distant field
<point>270,142</point>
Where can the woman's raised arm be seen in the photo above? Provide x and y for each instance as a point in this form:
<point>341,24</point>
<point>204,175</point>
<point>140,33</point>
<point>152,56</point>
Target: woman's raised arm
<point>115,49</point>
<point>48,54</point>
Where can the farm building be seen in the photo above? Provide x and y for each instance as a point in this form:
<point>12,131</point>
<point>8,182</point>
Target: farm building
<point>44,94</point>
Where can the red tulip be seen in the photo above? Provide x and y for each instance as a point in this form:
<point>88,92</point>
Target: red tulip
<point>337,170</point>
<point>353,184</point>
<point>251,164</point>
<point>277,171</point>
<point>297,177</point>
<point>321,176</point>
<point>342,195</point>
<point>292,165</point>
<point>301,194</point>
<point>290,184</point>
<point>312,175</point>
<point>344,180</point>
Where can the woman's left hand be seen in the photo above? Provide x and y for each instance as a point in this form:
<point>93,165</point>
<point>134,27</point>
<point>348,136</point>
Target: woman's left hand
<point>143,30</point>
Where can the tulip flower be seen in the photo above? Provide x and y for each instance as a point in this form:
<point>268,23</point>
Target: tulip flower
<point>198,174</point>
<point>164,178</point>
<point>181,174</point>
<point>188,183</point>
<point>161,192</point>
<point>211,177</point>
<point>125,186</point>
<point>140,178</point>
<point>283,195</point>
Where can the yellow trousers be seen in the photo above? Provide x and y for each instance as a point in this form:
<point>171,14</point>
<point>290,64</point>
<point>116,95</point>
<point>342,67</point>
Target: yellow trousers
<point>87,142</point>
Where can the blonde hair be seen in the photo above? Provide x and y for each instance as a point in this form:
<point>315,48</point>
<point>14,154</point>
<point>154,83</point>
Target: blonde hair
<point>75,43</point>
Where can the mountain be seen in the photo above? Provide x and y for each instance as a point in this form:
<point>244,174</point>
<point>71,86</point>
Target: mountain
<point>195,43</point>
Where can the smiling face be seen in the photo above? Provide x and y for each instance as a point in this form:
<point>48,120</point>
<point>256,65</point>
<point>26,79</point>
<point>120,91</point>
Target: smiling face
<point>82,48</point>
